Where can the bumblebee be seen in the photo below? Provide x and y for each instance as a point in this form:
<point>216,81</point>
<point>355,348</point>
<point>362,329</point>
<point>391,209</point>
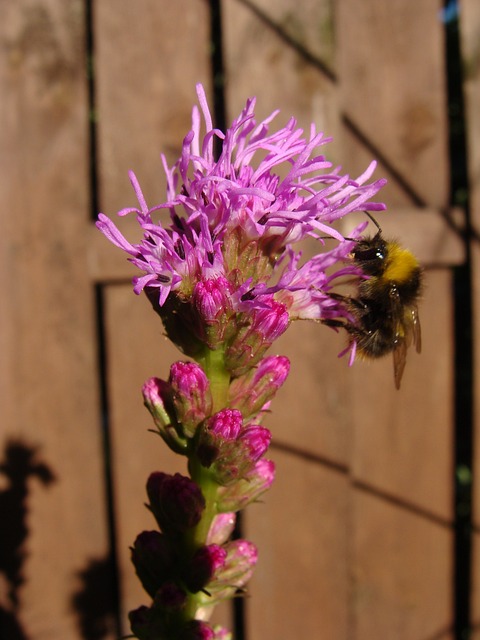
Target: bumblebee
<point>384,309</point>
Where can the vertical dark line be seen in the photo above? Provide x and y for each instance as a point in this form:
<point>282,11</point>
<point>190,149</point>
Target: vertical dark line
<point>217,68</point>
<point>92,117</point>
<point>107,458</point>
<point>219,117</point>
<point>100,328</point>
<point>463,326</point>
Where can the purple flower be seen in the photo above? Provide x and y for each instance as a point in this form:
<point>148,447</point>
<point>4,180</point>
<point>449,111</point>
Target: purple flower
<point>233,221</point>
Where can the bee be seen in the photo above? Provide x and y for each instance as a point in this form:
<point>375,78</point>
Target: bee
<point>384,308</point>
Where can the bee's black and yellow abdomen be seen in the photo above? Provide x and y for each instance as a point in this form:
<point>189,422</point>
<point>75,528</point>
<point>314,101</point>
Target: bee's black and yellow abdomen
<point>385,307</point>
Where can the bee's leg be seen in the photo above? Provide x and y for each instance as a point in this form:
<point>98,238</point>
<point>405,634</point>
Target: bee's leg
<point>349,301</point>
<point>334,323</point>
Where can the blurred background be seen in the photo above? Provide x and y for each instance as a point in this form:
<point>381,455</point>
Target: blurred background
<point>371,531</point>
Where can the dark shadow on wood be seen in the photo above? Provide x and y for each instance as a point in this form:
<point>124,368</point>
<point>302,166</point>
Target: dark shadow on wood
<point>94,601</point>
<point>20,464</point>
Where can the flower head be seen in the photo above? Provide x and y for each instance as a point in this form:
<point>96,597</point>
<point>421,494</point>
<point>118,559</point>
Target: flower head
<point>225,265</point>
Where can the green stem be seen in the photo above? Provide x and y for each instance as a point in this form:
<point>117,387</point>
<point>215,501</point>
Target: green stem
<point>213,363</point>
<point>197,537</point>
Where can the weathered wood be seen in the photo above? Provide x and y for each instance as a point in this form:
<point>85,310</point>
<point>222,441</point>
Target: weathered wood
<point>402,440</point>
<point>300,587</point>
<point>401,567</point>
<point>260,62</point>
<point>390,63</point>
<point>149,56</point>
<point>48,368</point>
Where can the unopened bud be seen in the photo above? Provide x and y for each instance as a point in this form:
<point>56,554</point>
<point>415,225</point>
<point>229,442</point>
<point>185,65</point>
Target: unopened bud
<point>221,528</point>
<point>247,490</point>
<point>170,596</point>
<point>204,565</point>
<point>228,449</point>
<point>154,559</point>
<point>157,395</point>
<point>197,630</point>
<point>251,393</point>
<point>212,303</point>
<point>191,395</point>
<point>176,501</point>
<point>251,343</point>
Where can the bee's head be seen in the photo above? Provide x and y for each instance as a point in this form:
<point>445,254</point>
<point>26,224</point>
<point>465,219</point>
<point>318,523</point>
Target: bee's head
<point>370,254</point>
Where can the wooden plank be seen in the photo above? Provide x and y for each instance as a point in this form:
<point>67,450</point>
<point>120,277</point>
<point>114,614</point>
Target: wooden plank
<point>390,61</point>
<point>149,56</point>
<point>402,439</point>
<point>309,27</point>
<point>401,573</point>
<point>52,483</point>
<point>300,586</point>
<point>260,63</point>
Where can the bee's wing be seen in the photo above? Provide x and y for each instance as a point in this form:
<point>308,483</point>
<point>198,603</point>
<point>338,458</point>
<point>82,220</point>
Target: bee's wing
<point>407,332</point>
<point>403,335</point>
<point>399,360</point>
<point>416,329</point>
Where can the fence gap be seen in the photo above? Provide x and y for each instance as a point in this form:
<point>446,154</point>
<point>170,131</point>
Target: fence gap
<point>463,326</point>
<point>92,113</point>
<point>100,326</point>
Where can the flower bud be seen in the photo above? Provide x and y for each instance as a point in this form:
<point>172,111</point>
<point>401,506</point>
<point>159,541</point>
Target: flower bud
<point>256,440</point>
<point>271,322</point>
<point>203,566</point>
<point>170,596</point>
<point>251,393</point>
<point>191,395</point>
<point>197,630</point>
<point>176,501</point>
<point>157,396</point>
<point>221,633</point>
<point>229,450</point>
<point>218,434</point>
<point>140,622</point>
<point>154,560</point>
<point>248,347</point>
<point>221,528</point>
<point>237,570</point>
<point>212,303</point>
<point>247,490</point>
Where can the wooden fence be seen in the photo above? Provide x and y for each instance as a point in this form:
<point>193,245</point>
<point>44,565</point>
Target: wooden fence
<point>367,532</point>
